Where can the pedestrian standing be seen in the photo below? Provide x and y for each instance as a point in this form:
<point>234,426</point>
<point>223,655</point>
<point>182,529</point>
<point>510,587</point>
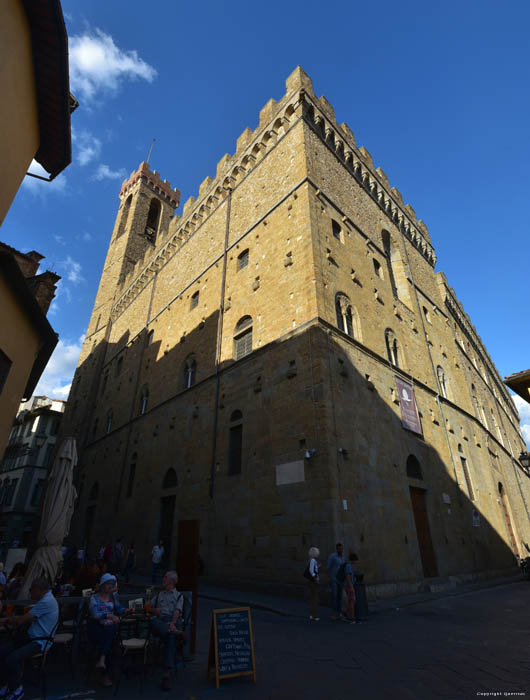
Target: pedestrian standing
<point>313,581</point>
<point>349,587</point>
<point>156,557</point>
<point>335,563</point>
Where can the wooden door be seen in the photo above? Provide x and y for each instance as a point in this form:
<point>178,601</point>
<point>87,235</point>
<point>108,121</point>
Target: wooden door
<point>428,560</point>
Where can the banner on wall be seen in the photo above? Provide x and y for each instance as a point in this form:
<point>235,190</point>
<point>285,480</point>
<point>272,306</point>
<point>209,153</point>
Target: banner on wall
<point>410,418</point>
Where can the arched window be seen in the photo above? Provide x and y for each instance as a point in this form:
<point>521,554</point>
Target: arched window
<point>132,472</point>
<point>344,314</point>
<point>144,400</point>
<point>235,443</point>
<point>94,492</point>
<point>124,216</point>
<point>242,260</point>
<point>413,468</point>
<point>392,347</point>
<point>243,337</point>
<point>442,381</point>
<point>151,227</point>
<point>109,420</point>
<point>194,301</point>
<point>336,230</point>
<point>426,314</point>
<point>170,479</point>
<point>190,366</point>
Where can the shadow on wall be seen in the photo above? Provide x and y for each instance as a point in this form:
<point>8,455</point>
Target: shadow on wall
<point>144,416</point>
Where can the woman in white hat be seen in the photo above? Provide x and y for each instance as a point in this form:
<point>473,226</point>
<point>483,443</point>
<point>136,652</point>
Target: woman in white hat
<point>104,609</point>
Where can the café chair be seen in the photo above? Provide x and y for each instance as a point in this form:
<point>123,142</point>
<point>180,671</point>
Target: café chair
<point>132,649</point>
<point>39,661</point>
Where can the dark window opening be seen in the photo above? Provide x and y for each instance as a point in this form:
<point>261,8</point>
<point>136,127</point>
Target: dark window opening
<point>336,230</point>
<point>242,259</point>
<point>235,449</point>
<point>170,479</point>
<point>151,227</point>
<point>413,468</point>
<point>194,300</point>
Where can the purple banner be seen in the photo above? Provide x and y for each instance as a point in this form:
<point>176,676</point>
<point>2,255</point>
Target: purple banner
<point>410,418</point>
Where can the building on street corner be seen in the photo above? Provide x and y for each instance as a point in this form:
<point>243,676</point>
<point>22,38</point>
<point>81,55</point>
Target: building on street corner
<point>282,362</point>
<point>24,468</point>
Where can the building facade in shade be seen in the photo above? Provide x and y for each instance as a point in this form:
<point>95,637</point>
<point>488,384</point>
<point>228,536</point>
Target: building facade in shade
<point>25,465</point>
<point>282,362</point>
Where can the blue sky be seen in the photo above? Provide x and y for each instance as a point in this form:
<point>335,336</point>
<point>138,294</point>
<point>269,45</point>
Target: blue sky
<point>437,92</point>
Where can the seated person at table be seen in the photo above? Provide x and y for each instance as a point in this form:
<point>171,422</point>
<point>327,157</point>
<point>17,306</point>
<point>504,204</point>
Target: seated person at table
<point>104,608</point>
<point>167,608</point>
<point>43,617</point>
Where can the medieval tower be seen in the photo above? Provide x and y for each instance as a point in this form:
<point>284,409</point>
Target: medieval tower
<point>283,363</point>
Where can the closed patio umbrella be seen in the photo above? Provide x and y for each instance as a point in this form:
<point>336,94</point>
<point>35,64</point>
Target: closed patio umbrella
<point>57,512</point>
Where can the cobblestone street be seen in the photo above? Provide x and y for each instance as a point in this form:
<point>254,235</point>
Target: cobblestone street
<point>468,644</point>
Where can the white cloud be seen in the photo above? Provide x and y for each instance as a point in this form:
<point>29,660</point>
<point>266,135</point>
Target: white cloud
<point>98,65</point>
<point>40,188</point>
<point>105,173</point>
<point>56,379</point>
<point>60,240</point>
<point>86,236</point>
<point>87,146</point>
<point>524,412</point>
<point>73,271</point>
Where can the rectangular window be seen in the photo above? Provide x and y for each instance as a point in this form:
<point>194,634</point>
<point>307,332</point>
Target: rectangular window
<point>49,456</point>
<point>242,260</point>
<point>194,300</point>
<point>36,496</point>
<point>11,492</point>
<point>234,449</point>
<point>468,478</point>
<point>243,345</point>
<point>5,366</point>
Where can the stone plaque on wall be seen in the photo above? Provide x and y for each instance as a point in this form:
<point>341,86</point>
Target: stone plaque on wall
<point>290,473</point>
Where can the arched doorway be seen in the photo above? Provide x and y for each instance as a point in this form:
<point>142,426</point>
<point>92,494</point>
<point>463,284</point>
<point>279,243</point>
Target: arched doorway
<point>421,520</point>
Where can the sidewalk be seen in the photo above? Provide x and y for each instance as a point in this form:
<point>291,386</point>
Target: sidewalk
<point>298,607</point>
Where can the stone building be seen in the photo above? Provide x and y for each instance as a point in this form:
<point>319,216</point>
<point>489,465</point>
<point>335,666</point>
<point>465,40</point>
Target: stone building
<point>282,362</point>
<point>25,465</point>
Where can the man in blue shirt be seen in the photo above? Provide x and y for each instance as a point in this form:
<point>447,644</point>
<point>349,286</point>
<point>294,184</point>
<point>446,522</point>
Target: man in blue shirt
<point>335,561</point>
<point>43,617</point>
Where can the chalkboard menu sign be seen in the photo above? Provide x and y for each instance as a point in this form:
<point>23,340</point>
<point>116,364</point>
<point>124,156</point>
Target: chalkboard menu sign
<point>231,644</point>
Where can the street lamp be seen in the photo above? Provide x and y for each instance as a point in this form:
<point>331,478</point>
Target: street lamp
<point>524,459</point>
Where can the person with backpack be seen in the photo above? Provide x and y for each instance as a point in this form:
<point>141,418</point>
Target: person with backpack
<point>167,606</point>
<point>337,577</point>
<point>311,574</point>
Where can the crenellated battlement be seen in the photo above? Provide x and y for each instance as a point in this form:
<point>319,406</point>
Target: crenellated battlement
<point>151,177</point>
<point>275,119</point>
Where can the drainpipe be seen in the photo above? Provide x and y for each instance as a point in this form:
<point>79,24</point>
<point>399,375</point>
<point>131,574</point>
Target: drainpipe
<point>219,341</point>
